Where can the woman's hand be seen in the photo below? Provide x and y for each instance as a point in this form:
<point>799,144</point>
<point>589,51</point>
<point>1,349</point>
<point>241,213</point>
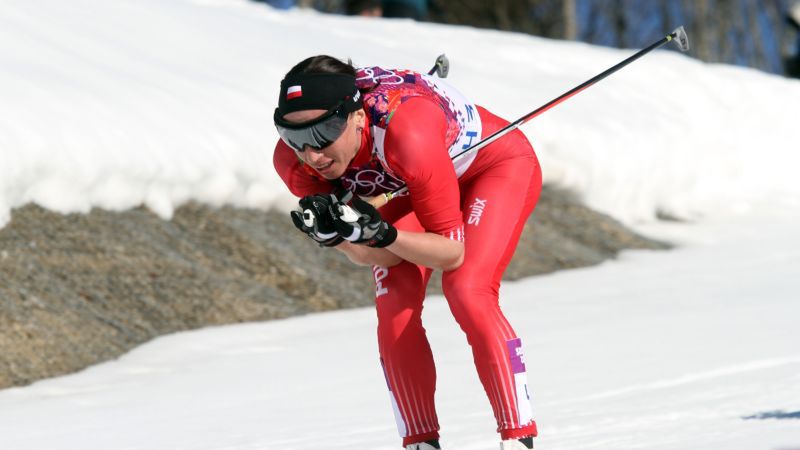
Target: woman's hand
<point>315,220</point>
<point>362,224</point>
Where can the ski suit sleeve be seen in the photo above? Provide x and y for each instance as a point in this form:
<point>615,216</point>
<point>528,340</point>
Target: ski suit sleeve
<point>415,149</point>
<point>299,181</point>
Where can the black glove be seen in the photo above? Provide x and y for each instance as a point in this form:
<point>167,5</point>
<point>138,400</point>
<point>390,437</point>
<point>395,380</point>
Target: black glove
<point>314,219</point>
<point>360,223</point>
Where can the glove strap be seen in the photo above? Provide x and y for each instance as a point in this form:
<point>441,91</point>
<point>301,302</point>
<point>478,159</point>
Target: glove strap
<point>384,237</point>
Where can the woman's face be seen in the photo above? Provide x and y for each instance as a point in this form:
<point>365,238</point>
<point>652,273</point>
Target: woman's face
<point>331,161</point>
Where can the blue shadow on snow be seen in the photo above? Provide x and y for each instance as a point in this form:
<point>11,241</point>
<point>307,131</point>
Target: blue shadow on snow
<point>774,415</point>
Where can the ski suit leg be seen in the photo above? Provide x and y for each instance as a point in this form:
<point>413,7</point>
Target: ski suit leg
<point>496,205</point>
<point>405,353</point>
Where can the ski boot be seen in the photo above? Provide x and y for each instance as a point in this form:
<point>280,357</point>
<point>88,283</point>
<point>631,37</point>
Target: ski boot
<point>427,445</point>
<point>517,444</point>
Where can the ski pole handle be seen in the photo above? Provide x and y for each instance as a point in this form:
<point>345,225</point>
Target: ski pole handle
<point>382,199</point>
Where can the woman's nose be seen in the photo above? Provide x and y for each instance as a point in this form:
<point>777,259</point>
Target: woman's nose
<point>312,156</point>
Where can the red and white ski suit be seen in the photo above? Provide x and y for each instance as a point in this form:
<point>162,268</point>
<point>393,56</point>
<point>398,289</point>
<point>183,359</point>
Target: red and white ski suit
<point>410,135</point>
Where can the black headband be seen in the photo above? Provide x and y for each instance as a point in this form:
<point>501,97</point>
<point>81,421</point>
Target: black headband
<point>318,91</point>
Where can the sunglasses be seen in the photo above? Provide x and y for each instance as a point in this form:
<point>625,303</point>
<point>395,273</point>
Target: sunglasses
<point>316,133</point>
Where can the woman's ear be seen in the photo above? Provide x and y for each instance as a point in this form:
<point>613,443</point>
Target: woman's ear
<point>361,118</point>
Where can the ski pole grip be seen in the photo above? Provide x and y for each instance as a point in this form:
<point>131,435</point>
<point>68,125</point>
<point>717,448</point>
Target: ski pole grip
<point>379,200</point>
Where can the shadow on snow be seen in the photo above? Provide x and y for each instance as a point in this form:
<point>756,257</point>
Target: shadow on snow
<point>774,415</point>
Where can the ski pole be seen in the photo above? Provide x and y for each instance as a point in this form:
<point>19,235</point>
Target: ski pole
<point>678,36</point>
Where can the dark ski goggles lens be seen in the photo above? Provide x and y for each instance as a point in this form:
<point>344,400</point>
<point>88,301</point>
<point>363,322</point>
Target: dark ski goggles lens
<point>318,133</point>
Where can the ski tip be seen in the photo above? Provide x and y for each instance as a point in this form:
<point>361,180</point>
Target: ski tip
<point>680,38</point>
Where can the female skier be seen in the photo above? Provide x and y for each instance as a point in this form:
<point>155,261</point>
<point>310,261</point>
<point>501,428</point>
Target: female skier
<point>370,131</point>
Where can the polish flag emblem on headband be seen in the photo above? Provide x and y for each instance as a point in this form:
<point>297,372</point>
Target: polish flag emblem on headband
<point>294,92</point>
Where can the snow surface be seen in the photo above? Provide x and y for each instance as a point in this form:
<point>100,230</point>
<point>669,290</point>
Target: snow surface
<point>118,103</point>
<point>658,350</point>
